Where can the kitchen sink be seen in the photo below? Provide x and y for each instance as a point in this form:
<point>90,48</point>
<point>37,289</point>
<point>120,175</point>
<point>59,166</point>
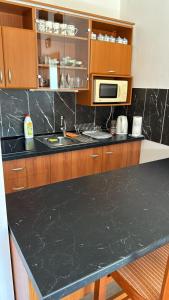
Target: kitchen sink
<point>54,141</point>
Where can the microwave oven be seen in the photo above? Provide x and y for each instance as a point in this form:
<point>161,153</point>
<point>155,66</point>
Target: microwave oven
<point>110,91</point>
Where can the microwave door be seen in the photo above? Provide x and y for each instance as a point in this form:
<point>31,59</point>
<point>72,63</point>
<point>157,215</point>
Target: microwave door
<point>108,92</point>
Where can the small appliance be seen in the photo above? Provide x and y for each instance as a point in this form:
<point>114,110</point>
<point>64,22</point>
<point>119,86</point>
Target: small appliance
<point>122,125</point>
<point>109,91</point>
<point>137,126</point>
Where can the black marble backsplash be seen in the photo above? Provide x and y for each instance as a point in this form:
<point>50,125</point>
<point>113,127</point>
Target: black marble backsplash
<point>46,109</point>
<point>153,106</point>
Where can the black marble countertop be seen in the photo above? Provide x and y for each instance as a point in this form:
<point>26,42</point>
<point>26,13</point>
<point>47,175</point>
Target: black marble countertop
<point>72,233</point>
<point>15,148</point>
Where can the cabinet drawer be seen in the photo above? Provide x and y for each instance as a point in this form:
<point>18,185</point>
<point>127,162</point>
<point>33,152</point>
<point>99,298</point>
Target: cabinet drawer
<point>14,168</point>
<point>16,184</point>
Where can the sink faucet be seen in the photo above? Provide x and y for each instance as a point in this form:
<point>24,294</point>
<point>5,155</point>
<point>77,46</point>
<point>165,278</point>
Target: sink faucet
<point>63,126</point>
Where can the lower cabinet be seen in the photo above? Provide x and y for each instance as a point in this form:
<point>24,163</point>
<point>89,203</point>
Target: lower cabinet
<point>86,162</point>
<point>38,171</point>
<point>61,166</point>
<point>27,173</point>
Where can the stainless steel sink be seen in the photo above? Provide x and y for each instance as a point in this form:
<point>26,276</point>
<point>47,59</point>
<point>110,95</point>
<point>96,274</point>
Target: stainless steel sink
<point>62,141</point>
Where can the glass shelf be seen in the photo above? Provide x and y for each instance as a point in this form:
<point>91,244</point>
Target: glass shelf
<point>54,35</point>
<point>59,54</point>
<point>63,67</point>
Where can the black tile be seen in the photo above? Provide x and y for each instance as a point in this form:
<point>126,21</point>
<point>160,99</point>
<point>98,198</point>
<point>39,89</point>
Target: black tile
<point>104,116</point>
<point>165,131</point>
<point>85,114</point>
<point>42,111</point>
<point>153,114</point>
<point>65,105</point>
<point>14,104</point>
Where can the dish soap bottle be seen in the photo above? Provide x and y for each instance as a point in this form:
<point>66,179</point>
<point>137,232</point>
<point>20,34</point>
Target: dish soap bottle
<point>28,127</point>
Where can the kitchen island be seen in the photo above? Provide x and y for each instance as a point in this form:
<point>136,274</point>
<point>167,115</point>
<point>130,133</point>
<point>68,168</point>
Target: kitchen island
<point>70,234</point>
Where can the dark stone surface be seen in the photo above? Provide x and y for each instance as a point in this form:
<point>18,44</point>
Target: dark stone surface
<point>65,106</point>
<point>42,112</point>
<point>77,231</point>
<point>15,148</point>
<point>165,131</point>
<point>153,114</point>
<point>14,104</point>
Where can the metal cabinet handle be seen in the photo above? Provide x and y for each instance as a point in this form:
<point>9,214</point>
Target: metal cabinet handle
<point>1,76</point>
<point>17,169</point>
<point>109,152</point>
<point>19,188</point>
<point>94,155</point>
<point>9,75</point>
<point>111,71</point>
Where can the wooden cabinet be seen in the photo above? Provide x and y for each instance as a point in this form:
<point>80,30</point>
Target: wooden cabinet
<point>61,166</point>
<point>86,162</point>
<point>110,58</point>
<point>114,157</point>
<point>38,171</point>
<point>19,47</point>
<point>2,77</point>
<point>133,153</point>
<point>15,175</point>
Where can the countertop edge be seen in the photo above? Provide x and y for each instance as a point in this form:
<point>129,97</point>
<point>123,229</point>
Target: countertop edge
<point>91,277</point>
<point>50,151</point>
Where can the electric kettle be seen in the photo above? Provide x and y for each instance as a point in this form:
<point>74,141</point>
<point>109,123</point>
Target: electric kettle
<point>122,125</point>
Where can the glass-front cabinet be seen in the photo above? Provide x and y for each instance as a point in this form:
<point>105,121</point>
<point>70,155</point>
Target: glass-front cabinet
<point>62,41</point>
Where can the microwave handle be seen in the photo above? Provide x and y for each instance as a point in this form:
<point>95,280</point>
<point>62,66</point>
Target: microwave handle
<point>119,91</point>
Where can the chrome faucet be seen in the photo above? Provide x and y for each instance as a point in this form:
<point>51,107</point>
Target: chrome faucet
<point>63,126</point>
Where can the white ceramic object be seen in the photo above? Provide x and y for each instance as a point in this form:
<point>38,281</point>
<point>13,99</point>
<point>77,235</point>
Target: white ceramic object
<point>122,125</point>
<point>137,126</point>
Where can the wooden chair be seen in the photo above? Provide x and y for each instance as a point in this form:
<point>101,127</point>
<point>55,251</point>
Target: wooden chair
<point>147,278</point>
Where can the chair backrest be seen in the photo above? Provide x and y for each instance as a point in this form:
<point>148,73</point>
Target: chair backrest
<point>165,285</point>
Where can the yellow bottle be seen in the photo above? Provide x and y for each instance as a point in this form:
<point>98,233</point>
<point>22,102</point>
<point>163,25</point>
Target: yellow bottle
<point>28,127</point>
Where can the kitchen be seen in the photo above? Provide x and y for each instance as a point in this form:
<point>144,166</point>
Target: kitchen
<point>68,105</point>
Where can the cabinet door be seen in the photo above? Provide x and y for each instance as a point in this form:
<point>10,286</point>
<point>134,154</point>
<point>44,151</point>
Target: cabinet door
<point>133,153</point>
<point>2,75</point>
<point>110,58</point>
<point>38,171</point>
<point>20,57</point>
<point>114,157</point>
<point>15,175</point>
<point>86,162</point>
<point>61,166</point>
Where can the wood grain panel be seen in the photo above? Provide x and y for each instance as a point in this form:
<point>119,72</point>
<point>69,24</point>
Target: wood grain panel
<point>20,57</point>
<point>114,157</point>
<point>86,162</point>
<point>61,166</point>
<point>2,74</point>
<point>19,275</point>
<point>110,58</point>
<point>133,153</point>
<point>38,171</point>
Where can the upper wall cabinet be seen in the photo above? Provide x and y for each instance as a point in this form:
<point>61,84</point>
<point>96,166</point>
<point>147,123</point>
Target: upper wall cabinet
<point>18,61</point>
<point>19,57</point>
<point>2,77</point>
<point>112,57</point>
<point>63,41</point>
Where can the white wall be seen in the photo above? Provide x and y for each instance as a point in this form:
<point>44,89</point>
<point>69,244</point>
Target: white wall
<point>151,151</point>
<point>110,8</point>
<point>151,42</point>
